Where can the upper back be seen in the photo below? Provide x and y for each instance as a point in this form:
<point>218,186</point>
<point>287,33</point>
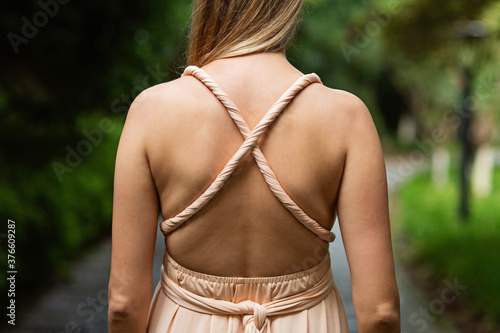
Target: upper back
<point>245,230</point>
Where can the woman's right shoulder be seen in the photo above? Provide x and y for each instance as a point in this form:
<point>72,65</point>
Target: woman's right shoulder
<point>341,109</point>
<point>348,104</point>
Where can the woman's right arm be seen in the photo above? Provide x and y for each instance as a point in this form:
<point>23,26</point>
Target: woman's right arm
<point>363,214</point>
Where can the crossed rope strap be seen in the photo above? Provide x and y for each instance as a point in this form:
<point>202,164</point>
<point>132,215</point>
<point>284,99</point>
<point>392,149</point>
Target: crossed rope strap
<point>255,316</point>
<point>250,143</point>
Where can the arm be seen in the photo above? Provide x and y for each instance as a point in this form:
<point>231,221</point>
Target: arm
<point>135,216</point>
<point>364,223</point>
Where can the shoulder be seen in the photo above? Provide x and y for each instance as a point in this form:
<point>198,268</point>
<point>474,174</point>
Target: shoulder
<point>165,101</point>
<point>163,95</point>
<point>340,107</point>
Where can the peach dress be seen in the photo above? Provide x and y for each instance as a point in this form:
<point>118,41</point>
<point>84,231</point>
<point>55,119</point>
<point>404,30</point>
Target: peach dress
<point>187,301</point>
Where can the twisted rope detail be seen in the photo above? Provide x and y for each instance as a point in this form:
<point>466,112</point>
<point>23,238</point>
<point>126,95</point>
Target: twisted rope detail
<point>250,143</point>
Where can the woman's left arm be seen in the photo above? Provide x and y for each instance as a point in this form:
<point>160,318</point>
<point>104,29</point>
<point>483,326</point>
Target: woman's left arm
<point>135,217</point>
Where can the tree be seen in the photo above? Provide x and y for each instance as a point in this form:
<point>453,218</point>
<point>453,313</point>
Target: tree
<point>424,43</point>
<point>67,66</point>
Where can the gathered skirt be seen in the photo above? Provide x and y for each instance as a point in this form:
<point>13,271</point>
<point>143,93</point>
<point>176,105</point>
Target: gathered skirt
<point>187,301</point>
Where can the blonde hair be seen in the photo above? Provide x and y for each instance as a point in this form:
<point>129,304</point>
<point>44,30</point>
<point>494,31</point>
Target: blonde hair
<point>229,28</point>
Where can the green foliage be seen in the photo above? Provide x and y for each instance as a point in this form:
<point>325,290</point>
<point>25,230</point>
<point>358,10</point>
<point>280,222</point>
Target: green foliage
<point>98,56</point>
<point>401,56</point>
<point>420,30</point>
<point>427,58</point>
<point>55,219</point>
<point>325,26</point>
<point>83,57</point>
<point>469,252</point>
<point>86,63</point>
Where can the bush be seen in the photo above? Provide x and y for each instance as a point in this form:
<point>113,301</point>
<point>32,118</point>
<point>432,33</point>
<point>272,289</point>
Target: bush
<point>468,251</point>
<point>57,217</point>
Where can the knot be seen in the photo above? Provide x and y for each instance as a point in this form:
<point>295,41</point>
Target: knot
<point>255,317</point>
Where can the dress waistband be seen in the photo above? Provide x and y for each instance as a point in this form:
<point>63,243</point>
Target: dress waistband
<point>254,315</point>
<point>318,270</point>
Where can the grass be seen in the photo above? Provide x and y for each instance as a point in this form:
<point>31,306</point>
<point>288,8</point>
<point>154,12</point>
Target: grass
<point>468,251</point>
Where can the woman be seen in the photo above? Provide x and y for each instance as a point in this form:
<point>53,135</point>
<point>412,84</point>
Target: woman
<point>247,240</point>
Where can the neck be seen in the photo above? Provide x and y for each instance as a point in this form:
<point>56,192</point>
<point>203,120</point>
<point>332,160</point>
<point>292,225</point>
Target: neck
<point>269,62</point>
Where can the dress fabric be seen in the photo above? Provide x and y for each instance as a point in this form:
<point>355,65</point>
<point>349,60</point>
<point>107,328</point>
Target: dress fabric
<point>186,301</point>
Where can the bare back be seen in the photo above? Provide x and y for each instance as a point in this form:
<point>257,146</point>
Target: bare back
<point>323,149</point>
<point>245,230</point>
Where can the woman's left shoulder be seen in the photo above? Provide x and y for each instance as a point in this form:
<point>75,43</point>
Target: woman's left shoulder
<point>163,98</point>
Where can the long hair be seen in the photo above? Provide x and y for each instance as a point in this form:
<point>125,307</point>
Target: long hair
<point>228,28</point>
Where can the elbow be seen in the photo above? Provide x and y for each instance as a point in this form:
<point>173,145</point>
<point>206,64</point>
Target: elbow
<point>382,318</point>
<point>388,321</point>
<point>127,312</point>
<point>120,313</point>
<point>387,317</point>
<point>117,316</point>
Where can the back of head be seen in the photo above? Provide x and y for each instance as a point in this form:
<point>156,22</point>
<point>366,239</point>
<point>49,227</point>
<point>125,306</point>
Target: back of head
<point>228,28</point>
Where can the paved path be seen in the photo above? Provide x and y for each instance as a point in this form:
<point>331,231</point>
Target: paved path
<point>81,305</point>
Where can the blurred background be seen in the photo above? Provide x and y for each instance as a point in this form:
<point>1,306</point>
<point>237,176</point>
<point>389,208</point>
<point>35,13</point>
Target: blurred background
<point>428,71</point>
